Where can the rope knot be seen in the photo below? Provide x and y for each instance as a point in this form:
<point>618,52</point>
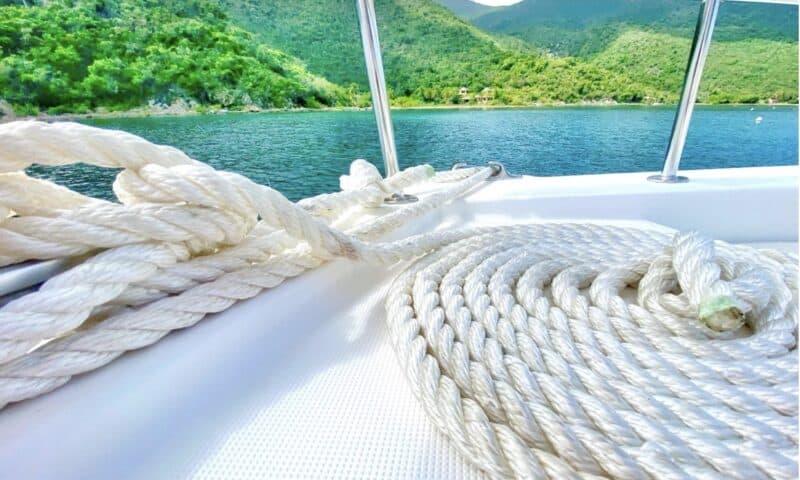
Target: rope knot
<point>725,289</point>
<point>700,276</point>
<point>362,175</point>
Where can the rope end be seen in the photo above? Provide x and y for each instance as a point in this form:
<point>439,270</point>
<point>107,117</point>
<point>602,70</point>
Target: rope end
<point>721,313</point>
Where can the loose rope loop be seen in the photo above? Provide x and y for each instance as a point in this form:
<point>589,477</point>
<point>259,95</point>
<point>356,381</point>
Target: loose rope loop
<point>185,241</point>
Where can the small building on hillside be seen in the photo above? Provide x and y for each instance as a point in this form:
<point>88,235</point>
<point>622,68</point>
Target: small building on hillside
<point>486,95</point>
<point>463,95</point>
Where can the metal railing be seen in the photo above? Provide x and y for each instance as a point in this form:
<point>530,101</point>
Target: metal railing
<point>368,24</point>
<point>691,85</point>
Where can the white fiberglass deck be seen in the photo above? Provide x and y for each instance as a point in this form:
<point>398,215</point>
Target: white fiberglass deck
<point>301,381</point>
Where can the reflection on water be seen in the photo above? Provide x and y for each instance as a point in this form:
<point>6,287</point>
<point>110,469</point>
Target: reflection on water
<point>303,154</point>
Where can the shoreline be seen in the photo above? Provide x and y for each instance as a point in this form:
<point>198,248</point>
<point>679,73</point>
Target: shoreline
<point>144,112</point>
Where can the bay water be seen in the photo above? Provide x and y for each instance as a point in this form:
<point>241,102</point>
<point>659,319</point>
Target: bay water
<point>304,153</point>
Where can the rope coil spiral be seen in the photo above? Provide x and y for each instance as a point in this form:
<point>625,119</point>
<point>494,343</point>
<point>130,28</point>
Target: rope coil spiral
<point>569,351</point>
<point>542,351</point>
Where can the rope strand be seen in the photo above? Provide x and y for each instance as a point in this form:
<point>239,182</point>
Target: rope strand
<point>185,241</point>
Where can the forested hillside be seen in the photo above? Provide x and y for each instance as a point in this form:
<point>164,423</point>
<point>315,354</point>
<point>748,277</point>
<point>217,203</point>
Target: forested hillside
<point>95,55</point>
<point>753,55</point>
<point>583,27</point>
<point>429,53</point>
<point>118,54</point>
<point>744,71</point>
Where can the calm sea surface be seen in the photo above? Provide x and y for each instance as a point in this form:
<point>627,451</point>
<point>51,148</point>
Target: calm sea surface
<point>303,154</point>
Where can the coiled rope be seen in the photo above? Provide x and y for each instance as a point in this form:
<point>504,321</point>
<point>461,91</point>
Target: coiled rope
<point>542,351</point>
<point>573,351</point>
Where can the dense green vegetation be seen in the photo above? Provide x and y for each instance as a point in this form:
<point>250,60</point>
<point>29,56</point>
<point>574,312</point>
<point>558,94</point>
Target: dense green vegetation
<point>428,54</point>
<point>90,55</point>
<point>585,27</point>
<point>82,55</point>
<point>753,56</point>
<point>627,50</point>
<point>744,71</point>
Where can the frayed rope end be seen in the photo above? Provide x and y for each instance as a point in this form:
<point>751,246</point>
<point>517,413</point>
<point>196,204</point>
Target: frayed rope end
<point>721,313</point>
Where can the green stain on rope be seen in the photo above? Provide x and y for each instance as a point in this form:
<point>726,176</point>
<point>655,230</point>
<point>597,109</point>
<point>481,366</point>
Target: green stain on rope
<point>721,313</point>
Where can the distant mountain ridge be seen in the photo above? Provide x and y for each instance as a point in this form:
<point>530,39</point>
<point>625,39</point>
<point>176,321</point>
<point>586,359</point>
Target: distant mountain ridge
<point>580,27</point>
<point>429,52</point>
<point>753,55</point>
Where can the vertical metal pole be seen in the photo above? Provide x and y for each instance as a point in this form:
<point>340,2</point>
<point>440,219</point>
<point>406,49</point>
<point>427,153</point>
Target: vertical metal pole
<point>691,84</point>
<point>377,84</point>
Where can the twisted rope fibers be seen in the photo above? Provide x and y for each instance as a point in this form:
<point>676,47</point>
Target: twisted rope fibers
<point>542,351</point>
<point>577,350</point>
<point>185,241</point>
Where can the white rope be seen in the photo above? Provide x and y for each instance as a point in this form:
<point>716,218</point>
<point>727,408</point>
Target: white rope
<point>567,351</point>
<point>186,241</point>
<point>541,351</point>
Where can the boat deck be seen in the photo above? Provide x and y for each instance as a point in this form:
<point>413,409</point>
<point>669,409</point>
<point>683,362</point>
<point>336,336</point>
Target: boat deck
<point>301,381</point>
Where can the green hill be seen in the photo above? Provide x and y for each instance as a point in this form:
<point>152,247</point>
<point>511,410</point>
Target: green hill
<point>428,54</point>
<point>583,27</point>
<point>89,54</point>
<point>753,56</point>
<point>744,71</point>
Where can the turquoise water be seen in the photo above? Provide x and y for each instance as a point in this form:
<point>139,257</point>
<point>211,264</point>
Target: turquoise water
<point>303,154</point>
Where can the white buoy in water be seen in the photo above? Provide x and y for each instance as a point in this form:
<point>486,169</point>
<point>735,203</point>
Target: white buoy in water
<point>759,119</point>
